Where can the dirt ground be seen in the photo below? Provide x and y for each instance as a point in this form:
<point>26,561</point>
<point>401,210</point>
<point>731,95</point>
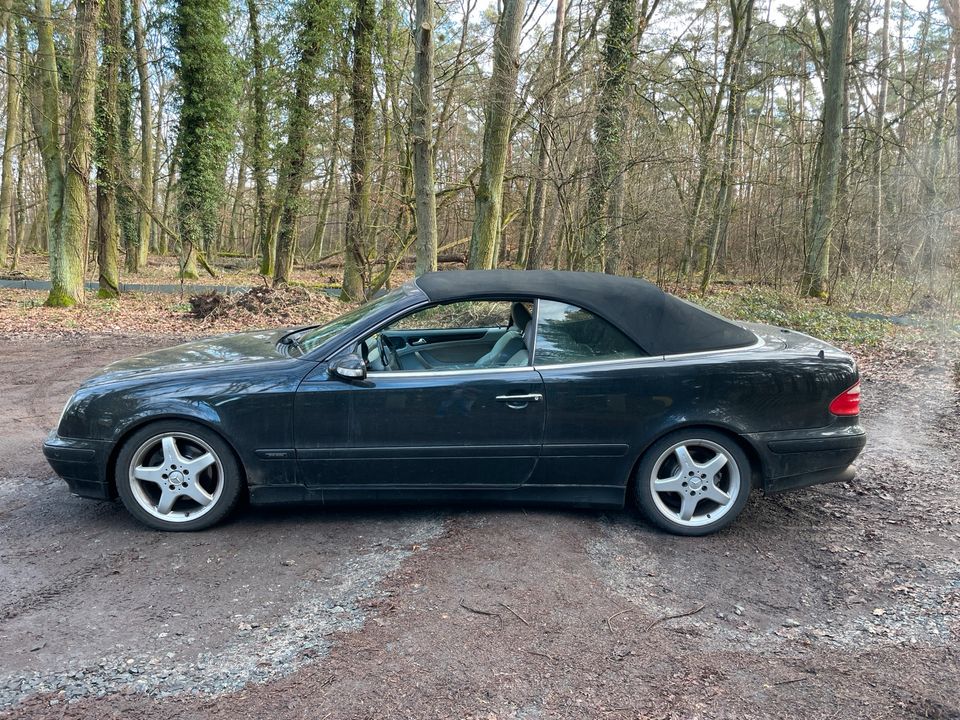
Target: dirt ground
<point>840,601</point>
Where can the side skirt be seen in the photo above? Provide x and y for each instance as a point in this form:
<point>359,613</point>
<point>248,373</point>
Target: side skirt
<point>588,496</point>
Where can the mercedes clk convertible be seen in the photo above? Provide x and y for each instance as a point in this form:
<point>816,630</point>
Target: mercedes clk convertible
<point>491,386</point>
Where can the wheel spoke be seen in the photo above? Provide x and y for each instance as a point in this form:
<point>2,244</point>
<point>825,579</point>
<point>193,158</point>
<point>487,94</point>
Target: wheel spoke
<point>167,499</point>
<point>717,495</point>
<point>171,454</point>
<point>199,464</point>
<point>713,466</point>
<point>687,506</point>
<point>670,484</point>
<point>198,494</point>
<point>149,474</point>
<point>683,456</point>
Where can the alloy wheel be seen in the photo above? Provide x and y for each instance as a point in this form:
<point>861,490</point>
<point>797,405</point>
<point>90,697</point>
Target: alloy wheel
<point>176,477</point>
<point>695,482</point>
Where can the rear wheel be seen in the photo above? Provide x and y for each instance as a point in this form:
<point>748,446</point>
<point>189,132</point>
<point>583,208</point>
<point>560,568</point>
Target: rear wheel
<point>693,482</point>
<point>174,475</point>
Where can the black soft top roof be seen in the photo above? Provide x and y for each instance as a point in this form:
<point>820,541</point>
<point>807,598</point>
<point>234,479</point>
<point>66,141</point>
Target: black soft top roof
<point>660,323</point>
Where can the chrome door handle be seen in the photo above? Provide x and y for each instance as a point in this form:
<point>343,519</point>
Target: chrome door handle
<point>532,397</point>
<point>419,341</point>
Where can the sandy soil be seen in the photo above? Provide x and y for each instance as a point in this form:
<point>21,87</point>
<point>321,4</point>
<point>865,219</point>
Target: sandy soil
<point>838,601</point>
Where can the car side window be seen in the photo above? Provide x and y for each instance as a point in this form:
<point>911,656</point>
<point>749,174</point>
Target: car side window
<point>458,315</point>
<point>570,334</point>
<point>466,335</point>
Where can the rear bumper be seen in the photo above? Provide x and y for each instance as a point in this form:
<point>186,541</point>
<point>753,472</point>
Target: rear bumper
<point>81,463</point>
<point>801,458</point>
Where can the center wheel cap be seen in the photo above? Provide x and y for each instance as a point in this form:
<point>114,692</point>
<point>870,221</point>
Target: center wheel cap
<point>176,477</point>
<point>695,483</point>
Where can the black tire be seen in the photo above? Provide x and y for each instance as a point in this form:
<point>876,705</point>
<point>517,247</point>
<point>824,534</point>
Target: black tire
<point>663,514</point>
<point>222,480</point>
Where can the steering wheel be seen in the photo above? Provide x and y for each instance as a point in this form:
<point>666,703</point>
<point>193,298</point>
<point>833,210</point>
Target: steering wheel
<point>387,354</point>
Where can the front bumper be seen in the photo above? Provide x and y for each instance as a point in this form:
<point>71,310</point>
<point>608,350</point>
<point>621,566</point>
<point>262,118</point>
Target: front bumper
<point>798,459</point>
<point>81,463</point>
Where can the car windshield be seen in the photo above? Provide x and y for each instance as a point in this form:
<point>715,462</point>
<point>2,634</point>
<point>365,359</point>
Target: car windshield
<point>310,339</point>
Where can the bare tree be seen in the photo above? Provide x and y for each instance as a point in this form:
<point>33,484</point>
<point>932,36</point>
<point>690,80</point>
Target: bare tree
<point>11,131</point>
<point>299,124</point>
<point>108,152</point>
<point>139,260</point>
<point>545,130</point>
<point>66,148</point>
<point>421,132</point>
<point>361,149</point>
<point>817,266</point>
<point>498,118</point>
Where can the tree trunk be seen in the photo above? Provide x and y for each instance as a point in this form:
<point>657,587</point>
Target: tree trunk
<point>205,135</point>
<point>929,196</point>
<point>67,166</point>
<point>21,214</point>
<point>537,253</point>
<point>65,270</point>
<point>298,132</point>
<point>108,153</point>
<point>236,209</point>
<point>258,153</point>
<point>608,129</point>
<point>817,266</point>
<point>11,132</point>
<point>421,132</point>
<point>79,150</point>
<point>361,97</point>
<point>127,191</point>
<point>741,12</point>
<point>498,117</point>
<point>147,190</point>
<point>320,231</point>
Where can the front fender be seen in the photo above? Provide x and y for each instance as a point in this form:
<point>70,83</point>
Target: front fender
<point>195,411</point>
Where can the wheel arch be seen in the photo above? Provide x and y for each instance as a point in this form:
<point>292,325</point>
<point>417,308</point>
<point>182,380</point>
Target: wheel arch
<point>140,423</point>
<point>748,447</point>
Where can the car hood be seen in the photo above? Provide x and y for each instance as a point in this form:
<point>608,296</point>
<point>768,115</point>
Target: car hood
<point>223,350</point>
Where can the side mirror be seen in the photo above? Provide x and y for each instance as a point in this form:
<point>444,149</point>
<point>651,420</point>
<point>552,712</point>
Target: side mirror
<point>349,367</point>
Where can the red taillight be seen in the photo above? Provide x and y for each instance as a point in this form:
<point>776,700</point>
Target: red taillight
<point>847,402</point>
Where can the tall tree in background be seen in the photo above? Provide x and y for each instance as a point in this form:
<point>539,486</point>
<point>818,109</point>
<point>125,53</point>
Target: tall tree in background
<point>952,10</point>
<point>817,266</point>
<point>361,149</point>
<point>12,129</point>
<point>498,119</point>
<point>66,148</point>
<point>142,245</point>
<point>421,132</point>
<point>108,152</point>
<point>258,152</point>
<point>608,129</point>
<point>299,125</point>
<point>536,255</point>
<point>741,26</point>
<point>204,142</point>
<point>879,130</point>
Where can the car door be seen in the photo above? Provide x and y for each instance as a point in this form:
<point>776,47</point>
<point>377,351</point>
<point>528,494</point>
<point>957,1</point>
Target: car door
<point>594,405</point>
<point>452,428</point>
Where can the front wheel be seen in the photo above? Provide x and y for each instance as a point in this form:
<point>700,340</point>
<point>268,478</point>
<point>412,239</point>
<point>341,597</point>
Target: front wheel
<point>693,482</point>
<point>174,475</point>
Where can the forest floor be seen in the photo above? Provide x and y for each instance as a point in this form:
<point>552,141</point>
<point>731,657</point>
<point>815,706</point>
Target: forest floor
<point>835,601</point>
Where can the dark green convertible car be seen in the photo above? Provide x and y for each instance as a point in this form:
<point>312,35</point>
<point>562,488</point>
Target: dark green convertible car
<point>502,386</point>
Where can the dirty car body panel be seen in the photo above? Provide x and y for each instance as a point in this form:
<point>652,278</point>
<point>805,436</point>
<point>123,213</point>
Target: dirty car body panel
<point>303,432</point>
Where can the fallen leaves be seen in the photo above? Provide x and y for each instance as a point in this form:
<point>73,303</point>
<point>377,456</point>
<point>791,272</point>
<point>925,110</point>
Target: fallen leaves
<point>23,315</point>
